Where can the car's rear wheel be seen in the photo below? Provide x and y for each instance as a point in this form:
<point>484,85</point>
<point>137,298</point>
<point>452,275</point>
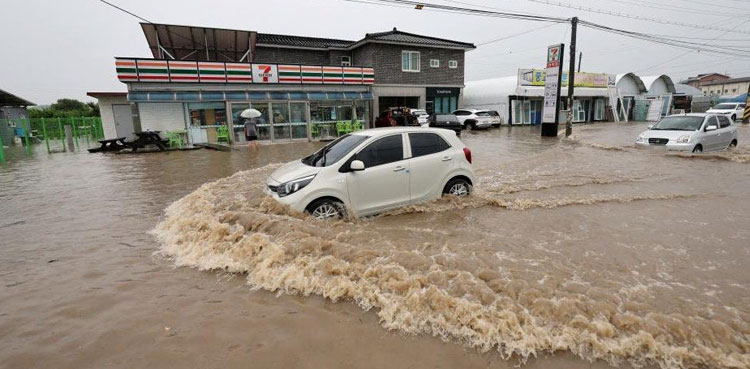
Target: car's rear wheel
<point>457,187</point>
<point>326,208</point>
<point>733,144</point>
<point>698,148</point>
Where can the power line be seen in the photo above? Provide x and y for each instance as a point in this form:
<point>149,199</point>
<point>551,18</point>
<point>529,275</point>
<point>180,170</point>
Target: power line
<point>152,23</point>
<point>473,11</point>
<point>716,4</point>
<point>517,34</point>
<point>630,16</point>
<point>650,4</point>
<point>687,52</point>
<point>642,36</point>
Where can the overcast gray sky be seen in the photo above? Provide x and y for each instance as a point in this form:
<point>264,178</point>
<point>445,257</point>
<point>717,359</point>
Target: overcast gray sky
<point>54,49</point>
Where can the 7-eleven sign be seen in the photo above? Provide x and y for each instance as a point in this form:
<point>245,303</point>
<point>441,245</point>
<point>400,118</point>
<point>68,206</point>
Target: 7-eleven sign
<point>553,56</point>
<point>265,73</point>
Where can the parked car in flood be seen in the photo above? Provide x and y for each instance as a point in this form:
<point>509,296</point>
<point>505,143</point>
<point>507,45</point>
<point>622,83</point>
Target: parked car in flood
<point>422,116</point>
<point>371,171</point>
<point>731,110</point>
<point>473,119</point>
<point>447,121</point>
<point>696,132</point>
<point>495,117</point>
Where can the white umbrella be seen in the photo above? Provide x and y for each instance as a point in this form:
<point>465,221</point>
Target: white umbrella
<point>250,113</point>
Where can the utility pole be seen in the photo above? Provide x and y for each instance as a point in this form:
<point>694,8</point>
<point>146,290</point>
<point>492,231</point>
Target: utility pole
<point>571,75</point>
<point>746,113</point>
<point>580,57</point>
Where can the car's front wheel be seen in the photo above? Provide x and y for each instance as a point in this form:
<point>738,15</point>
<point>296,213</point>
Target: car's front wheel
<point>457,187</point>
<point>732,144</point>
<point>698,148</point>
<point>734,117</point>
<point>326,208</point>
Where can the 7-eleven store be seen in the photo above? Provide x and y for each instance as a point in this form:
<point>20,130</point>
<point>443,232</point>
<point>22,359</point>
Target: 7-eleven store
<point>298,102</point>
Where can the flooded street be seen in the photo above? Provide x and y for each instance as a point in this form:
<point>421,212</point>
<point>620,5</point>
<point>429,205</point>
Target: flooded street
<point>580,252</point>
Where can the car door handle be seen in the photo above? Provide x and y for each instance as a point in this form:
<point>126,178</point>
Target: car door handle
<point>447,158</point>
<point>398,168</point>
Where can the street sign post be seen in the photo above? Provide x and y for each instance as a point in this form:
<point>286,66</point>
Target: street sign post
<point>552,83</point>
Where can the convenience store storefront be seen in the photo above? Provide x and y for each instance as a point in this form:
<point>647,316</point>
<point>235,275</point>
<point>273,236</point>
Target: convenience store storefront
<point>204,99</point>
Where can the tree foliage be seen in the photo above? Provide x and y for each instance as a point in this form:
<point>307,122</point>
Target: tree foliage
<point>65,108</point>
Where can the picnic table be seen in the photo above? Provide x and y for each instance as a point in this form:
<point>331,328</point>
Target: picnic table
<point>115,144</point>
<point>148,138</point>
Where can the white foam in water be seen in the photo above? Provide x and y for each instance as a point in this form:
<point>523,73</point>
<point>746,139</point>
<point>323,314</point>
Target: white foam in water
<point>440,291</point>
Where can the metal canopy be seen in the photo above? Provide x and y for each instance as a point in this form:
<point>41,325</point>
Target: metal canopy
<point>8,99</point>
<point>197,43</point>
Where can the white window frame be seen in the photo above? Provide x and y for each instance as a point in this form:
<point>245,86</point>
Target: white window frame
<point>434,63</point>
<point>411,68</point>
<point>346,61</point>
<point>452,64</point>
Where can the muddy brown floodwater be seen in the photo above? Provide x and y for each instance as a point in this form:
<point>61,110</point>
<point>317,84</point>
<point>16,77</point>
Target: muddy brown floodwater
<point>581,252</point>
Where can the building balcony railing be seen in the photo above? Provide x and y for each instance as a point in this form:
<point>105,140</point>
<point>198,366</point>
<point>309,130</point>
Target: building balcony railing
<point>131,70</point>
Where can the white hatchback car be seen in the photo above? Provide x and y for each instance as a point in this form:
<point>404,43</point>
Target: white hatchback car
<point>730,110</point>
<point>695,132</point>
<point>371,171</point>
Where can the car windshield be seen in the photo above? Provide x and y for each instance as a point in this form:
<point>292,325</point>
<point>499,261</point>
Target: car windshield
<point>483,114</point>
<point>334,151</point>
<point>725,106</point>
<point>446,118</point>
<point>682,123</point>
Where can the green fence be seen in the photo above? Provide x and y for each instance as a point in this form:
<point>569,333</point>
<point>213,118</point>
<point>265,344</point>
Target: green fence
<point>51,131</point>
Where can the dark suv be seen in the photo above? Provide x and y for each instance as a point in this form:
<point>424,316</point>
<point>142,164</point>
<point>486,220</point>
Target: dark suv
<point>447,121</point>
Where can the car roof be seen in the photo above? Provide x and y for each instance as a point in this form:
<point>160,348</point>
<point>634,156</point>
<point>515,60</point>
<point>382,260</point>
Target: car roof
<point>382,131</point>
<point>691,115</point>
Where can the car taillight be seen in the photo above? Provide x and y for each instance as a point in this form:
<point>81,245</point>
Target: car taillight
<point>467,154</point>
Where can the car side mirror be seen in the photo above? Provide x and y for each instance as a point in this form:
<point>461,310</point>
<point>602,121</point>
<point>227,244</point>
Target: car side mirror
<point>356,166</point>
<point>650,126</point>
<point>711,128</point>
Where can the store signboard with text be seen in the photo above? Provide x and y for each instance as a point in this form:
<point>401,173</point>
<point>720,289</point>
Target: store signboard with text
<point>552,87</point>
<point>537,77</point>
<point>265,73</point>
<point>130,70</point>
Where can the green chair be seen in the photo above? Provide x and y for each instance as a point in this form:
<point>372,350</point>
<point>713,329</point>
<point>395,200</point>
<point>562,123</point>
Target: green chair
<point>175,139</point>
<point>357,126</point>
<point>341,128</point>
<point>314,130</point>
<point>222,134</point>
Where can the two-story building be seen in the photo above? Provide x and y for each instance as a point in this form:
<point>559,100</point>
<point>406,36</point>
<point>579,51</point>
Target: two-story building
<point>727,87</point>
<point>307,88</point>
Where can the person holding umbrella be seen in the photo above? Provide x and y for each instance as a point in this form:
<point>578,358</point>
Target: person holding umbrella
<point>250,117</point>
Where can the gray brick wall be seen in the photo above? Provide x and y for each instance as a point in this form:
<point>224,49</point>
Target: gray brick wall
<point>291,56</point>
<point>385,58</point>
<point>335,57</point>
<point>387,62</point>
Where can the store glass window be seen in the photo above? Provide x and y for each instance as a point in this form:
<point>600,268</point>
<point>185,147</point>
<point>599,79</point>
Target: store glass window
<point>298,119</point>
<point>281,125</point>
<point>238,122</point>
<point>322,120</point>
<point>263,127</point>
<point>207,114</point>
<point>363,113</point>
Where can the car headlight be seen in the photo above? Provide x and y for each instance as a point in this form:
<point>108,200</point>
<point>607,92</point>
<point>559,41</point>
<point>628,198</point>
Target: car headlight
<point>641,138</point>
<point>684,139</point>
<point>293,186</point>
